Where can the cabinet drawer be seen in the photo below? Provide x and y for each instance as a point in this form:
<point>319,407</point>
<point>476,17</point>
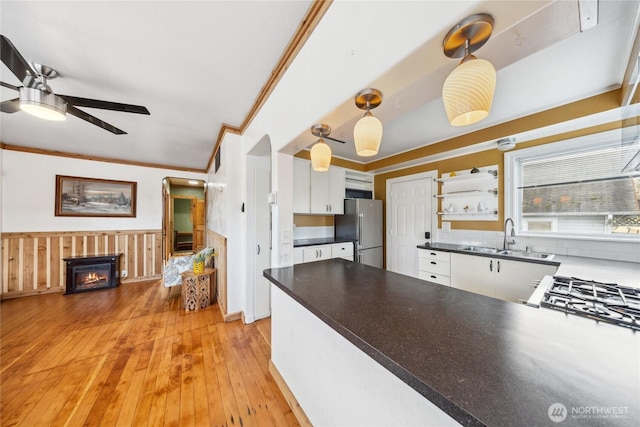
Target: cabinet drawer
<point>434,266</point>
<point>342,250</point>
<point>435,278</point>
<point>434,255</point>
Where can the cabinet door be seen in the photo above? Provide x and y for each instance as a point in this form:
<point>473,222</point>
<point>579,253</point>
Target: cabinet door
<point>320,192</point>
<point>298,255</point>
<point>301,186</point>
<point>513,278</point>
<point>473,273</point>
<point>336,192</point>
<point>316,253</point>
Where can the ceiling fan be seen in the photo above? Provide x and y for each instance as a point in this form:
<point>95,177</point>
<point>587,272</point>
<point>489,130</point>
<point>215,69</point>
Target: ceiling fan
<point>37,98</point>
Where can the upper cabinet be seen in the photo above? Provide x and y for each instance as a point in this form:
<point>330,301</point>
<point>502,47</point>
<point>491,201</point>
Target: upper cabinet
<point>469,195</point>
<point>319,193</point>
<point>301,186</point>
<point>327,191</point>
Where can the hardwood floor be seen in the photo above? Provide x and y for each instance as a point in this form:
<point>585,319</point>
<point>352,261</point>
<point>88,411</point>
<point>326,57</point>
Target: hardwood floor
<point>131,357</point>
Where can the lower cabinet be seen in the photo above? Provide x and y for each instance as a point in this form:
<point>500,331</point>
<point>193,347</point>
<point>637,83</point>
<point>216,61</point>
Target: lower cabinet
<point>496,277</point>
<point>434,266</point>
<point>320,252</point>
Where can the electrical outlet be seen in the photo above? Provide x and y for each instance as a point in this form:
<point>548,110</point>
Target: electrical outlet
<point>123,274</point>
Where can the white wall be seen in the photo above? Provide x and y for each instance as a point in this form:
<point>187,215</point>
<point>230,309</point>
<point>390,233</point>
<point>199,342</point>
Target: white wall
<point>29,186</point>
<point>225,216</point>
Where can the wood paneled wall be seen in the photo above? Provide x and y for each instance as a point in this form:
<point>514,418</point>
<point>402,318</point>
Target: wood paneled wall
<point>32,262</point>
<point>219,243</point>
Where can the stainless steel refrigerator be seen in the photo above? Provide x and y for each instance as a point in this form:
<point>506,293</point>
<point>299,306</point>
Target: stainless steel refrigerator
<point>362,222</point>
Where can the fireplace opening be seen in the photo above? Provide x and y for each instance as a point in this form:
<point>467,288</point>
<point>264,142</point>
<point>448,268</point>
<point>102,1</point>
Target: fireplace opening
<point>92,273</point>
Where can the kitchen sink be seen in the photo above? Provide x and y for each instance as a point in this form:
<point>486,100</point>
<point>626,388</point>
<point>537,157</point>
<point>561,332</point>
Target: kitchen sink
<point>525,254</point>
<point>480,249</point>
<point>508,252</point>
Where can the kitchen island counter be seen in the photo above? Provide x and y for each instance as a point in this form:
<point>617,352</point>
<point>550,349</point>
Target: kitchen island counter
<point>479,360</point>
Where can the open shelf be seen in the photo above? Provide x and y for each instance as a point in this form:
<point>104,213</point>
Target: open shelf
<point>476,191</point>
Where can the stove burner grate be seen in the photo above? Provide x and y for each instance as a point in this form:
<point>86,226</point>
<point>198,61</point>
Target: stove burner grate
<point>607,302</point>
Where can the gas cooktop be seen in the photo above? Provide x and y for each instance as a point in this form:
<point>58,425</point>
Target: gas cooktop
<point>606,302</point>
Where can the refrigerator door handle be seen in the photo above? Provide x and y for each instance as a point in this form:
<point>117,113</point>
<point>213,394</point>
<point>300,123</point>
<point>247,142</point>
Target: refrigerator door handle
<point>360,229</point>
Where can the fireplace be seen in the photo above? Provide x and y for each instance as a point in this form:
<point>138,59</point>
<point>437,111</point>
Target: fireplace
<point>92,273</point>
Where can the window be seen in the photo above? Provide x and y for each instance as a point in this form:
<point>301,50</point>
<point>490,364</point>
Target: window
<point>575,188</point>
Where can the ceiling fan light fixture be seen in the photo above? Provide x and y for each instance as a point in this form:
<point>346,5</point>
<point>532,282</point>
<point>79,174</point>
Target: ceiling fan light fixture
<point>42,104</point>
<point>468,91</point>
<point>367,133</point>
<point>320,152</point>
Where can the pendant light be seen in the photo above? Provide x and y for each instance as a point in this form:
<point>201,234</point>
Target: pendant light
<point>320,152</point>
<point>367,133</point>
<point>467,93</point>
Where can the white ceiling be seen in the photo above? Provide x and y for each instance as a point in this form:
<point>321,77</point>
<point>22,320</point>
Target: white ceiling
<point>194,65</point>
<point>199,65</point>
<point>542,60</point>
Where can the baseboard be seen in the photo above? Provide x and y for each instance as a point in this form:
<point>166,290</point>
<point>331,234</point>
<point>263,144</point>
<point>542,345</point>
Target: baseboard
<point>13,295</point>
<point>289,397</point>
<point>140,279</point>
<point>238,315</point>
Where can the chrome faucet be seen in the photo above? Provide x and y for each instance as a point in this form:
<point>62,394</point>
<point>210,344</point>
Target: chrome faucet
<point>508,240</point>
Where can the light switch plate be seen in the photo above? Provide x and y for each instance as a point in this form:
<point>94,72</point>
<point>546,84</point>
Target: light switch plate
<point>446,226</point>
<point>286,237</point>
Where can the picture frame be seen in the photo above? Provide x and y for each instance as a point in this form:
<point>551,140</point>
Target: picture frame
<point>92,197</point>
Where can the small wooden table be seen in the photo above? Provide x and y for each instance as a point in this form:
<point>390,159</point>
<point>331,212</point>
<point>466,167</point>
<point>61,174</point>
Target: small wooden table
<point>198,290</point>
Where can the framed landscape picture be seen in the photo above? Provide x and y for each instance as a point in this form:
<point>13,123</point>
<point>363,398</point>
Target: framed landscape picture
<point>77,196</point>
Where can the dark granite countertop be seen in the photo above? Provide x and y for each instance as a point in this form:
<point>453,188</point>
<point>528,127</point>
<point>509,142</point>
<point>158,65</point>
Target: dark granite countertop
<point>319,241</point>
<point>481,360</point>
<point>449,247</point>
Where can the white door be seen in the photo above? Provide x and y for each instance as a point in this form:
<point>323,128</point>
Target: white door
<point>263,247</point>
<point>409,215</point>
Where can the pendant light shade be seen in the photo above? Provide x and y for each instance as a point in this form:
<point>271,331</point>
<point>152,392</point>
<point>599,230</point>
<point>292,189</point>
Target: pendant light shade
<point>42,104</point>
<point>367,133</point>
<point>320,156</point>
<point>320,152</point>
<point>467,92</point>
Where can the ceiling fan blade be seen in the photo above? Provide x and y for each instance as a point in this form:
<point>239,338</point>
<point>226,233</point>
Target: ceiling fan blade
<point>10,106</point>
<point>7,85</point>
<point>104,105</point>
<point>14,61</point>
<point>93,120</point>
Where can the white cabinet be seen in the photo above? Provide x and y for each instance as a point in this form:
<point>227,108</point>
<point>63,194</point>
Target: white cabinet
<point>316,253</point>
<point>320,252</point>
<point>496,277</point>
<point>469,196</point>
<point>342,250</point>
<point>434,266</point>
<point>301,186</point>
<point>327,191</point>
<point>317,192</point>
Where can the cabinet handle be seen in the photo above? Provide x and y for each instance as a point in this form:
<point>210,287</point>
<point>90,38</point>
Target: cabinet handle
<point>320,253</point>
<point>433,277</point>
<point>317,254</point>
<point>434,263</point>
<point>491,265</point>
<point>433,254</point>
<point>258,249</point>
<point>498,266</point>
